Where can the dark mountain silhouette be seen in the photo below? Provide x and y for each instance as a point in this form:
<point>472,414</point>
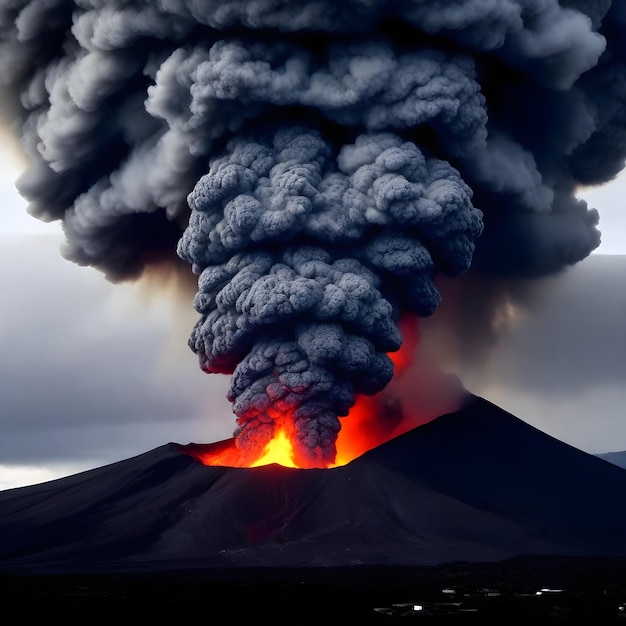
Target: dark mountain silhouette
<point>474,485</point>
<point>617,458</point>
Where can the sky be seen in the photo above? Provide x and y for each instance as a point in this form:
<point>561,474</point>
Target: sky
<point>429,118</point>
<point>90,372</point>
<point>93,372</point>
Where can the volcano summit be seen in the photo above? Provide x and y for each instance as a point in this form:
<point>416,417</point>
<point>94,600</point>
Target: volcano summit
<point>476,485</point>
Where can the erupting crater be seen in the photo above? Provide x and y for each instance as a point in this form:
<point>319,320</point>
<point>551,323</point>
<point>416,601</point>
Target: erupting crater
<point>358,434</point>
<point>371,421</point>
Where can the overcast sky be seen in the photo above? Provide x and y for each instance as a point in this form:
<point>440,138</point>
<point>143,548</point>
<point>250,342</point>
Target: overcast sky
<point>92,373</point>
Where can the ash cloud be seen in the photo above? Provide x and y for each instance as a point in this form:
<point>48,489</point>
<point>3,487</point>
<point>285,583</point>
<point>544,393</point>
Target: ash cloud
<point>319,165</point>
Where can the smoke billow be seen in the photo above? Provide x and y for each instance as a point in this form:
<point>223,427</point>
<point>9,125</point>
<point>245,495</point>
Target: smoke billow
<point>318,163</point>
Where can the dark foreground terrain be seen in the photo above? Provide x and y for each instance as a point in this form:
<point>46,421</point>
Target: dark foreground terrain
<point>477,485</point>
<point>443,524</point>
<point>524,590</point>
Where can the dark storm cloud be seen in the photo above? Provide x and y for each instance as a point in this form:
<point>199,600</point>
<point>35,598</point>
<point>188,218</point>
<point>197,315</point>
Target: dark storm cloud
<point>552,335</point>
<point>574,334</point>
<point>326,162</point>
<point>85,368</point>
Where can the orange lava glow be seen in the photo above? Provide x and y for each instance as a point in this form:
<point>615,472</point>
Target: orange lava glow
<point>279,450</point>
<point>410,340</point>
<point>372,421</point>
<point>357,434</point>
<point>362,429</point>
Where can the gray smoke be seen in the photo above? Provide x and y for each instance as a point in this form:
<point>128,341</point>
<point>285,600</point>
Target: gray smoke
<point>318,163</point>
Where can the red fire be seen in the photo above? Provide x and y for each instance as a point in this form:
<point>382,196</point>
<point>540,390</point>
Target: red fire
<point>371,421</point>
<point>376,419</point>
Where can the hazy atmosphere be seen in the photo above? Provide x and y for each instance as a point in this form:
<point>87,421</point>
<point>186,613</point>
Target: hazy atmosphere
<point>94,372</point>
<point>472,162</point>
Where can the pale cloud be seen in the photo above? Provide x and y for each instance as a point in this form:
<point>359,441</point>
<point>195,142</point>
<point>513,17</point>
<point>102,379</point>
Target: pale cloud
<point>608,199</point>
<point>12,476</point>
<point>91,371</point>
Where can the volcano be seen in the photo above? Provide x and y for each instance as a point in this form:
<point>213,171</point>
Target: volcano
<point>476,485</point>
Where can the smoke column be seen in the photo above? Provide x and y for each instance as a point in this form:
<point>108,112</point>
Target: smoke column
<point>318,163</point>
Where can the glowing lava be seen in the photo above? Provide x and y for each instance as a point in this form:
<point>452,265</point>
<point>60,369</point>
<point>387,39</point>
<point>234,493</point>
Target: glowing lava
<point>359,430</point>
<point>279,450</point>
<point>372,421</point>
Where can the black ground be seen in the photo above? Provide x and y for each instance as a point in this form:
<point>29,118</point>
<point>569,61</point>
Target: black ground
<point>592,591</point>
<point>161,536</point>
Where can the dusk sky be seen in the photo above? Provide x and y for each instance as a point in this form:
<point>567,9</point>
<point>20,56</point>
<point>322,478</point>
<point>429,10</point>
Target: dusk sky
<point>327,168</point>
<point>92,372</point>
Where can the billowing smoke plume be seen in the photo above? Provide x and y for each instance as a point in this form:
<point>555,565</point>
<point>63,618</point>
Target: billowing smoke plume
<point>319,163</point>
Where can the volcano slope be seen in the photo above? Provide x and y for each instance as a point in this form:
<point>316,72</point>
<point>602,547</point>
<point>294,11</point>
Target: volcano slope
<point>476,485</point>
